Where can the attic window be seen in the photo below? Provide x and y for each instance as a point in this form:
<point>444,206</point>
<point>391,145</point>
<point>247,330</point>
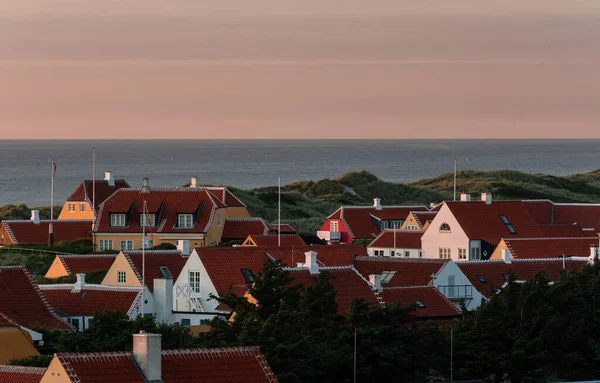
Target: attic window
<point>164,270</point>
<point>481,278</point>
<point>386,276</point>
<point>508,225</point>
<point>247,276</point>
<point>445,227</point>
<point>420,304</point>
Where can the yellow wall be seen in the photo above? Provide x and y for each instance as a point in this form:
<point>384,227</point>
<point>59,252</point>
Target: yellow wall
<point>15,344</point>
<point>87,214</point>
<point>121,264</point>
<point>410,220</point>
<point>497,254</point>
<point>56,270</point>
<point>5,238</point>
<point>195,241</point>
<point>55,373</point>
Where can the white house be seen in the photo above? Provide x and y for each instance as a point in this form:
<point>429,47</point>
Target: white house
<point>397,243</point>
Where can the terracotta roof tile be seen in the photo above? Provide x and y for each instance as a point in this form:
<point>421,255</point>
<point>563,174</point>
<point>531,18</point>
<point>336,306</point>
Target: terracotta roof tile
<point>405,239</point>
<point>408,272</point>
<point>100,367</point>
<point>284,228</point>
<point>569,230</point>
<point>155,259</point>
<point>241,228</point>
<point>434,304</point>
<point>26,231</point>
<point>551,247</point>
<point>23,302</point>
<point>79,263</point>
<point>272,240</point>
<point>226,196</point>
<point>540,210</point>
<point>423,216</point>
<point>91,298</point>
<point>586,215</point>
<point>103,190</point>
<point>362,221</point>
<point>20,374</point>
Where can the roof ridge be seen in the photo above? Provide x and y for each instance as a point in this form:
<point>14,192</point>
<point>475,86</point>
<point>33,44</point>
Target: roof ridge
<point>213,351</point>
<point>47,220</point>
<point>244,219</point>
<point>10,232</point>
<point>90,255</point>
<point>408,287</point>
<point>548,238</point>
<point>401,259</point>
<point>94,287</point>
<point>23,369</point>
<point>384,207</point>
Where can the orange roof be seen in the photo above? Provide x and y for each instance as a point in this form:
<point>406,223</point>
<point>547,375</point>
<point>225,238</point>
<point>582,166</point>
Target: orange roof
<point>405,239</point>
<point>408,272</point>
<point>239,228</point>
<point>570,230</point>
<point>26,231</point>
<point>483,221</point>
<point>430,302</point>
<point>154,260</point>
<point>23,303</point>
<point>20,374</point>
<point>489,276</point>
<point>272,240</point>
<point>551,247</point>
<point>103,190</point>
<point>91,298</point>
<point>79,263</point>
<point>100,367</point>
<point>361,221</point>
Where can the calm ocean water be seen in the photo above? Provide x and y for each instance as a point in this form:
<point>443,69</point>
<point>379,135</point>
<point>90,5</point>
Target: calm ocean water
<point>25,171</point>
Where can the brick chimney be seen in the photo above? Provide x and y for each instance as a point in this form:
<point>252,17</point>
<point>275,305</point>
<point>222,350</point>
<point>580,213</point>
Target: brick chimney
<point>310,262</point>
<point>487,198</point>
<point>464,196</point>
<point>146,185</point>
<point>194,182</point>
<point>146,353</point>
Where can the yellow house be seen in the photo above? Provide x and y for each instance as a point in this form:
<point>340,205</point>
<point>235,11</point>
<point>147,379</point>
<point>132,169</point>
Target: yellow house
<point>418,220</point>
<point>79,204</point>
<point>15,343</point>
<point>194,215</point>
<point>69,264</point>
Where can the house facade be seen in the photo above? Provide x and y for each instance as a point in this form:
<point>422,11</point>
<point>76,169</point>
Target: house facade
<point>70,264</point>
<point>397,243</point>
<point>418,220</point>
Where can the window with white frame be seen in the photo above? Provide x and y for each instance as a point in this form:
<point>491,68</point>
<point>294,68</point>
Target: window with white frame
<point>121,277</point>
<point>126,244</point>
<point>147,220</point>
<point>475,253</point>
<point>82,207</point>
<point>117,220</point>
<point>396,224</point>
<point>71,208</point>
<point>219,219</point>
<point>185,221</point>
<point>407,253</point>
<point>384,225</point>
<point>106,244</point>
<point>334,226</point>
<point>445,253</point>
<point>392,253</point>
<point>194,281</point>
<point>411,227</point>
<point>147,242</point>
<point>444,228</point>
<point>462,253</point>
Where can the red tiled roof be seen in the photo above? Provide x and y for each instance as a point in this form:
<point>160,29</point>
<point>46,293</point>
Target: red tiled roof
<point>101,367</point>
<point>562,231</point>
<point>423,216</point>
<point>172,259</point>
<point>408,272</point>
<point>361,223</point>
<point>241,228</point>
<point>586,215</point>
<point>493,271</point>
<point>405,239</point>
<point>103,190</point>
<point>550,247</point>
<point>171,201</point>
<point>540,210</point>
<point>20,374</point>
<point>436,305</point>
<point>272,240</point>
<point>91,298</point>
<point>226,197</point>
<point>6,321</point>
<point>284,228</point>
<point>26,231</point>
<point>22,301</point>
<point>79,263</point>
<point>216,365</point>
<point>347,282</point>
<point>482,221</point>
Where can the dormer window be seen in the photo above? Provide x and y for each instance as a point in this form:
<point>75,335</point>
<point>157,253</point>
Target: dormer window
<point>147,220</point>
<point>185,221</point>
<point>117,220</point>
<point>444,228</point>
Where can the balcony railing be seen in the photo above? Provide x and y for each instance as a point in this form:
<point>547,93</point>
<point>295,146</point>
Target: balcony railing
<point>456,292</point>
<point>329,236</point>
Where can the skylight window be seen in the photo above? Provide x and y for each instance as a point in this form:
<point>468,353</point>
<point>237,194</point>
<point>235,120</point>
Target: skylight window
<point>247,276</point>
<point>164,270</point>
<point>481,278</point>
<point>420,304</point>
<point>505,275</point>
<point>508,225</point>
<point>386,276</point>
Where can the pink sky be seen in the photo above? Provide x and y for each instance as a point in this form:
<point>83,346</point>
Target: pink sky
<point>299,69</point>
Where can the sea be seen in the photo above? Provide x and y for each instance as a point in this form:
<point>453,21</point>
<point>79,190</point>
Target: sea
<point>26,171</point>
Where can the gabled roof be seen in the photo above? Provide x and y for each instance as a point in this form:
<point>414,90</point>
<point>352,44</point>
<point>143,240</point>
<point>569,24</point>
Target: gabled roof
<point>226,197</point>
<point>551,247</point>
<point>84,191</point>
<point>91,298</point>
<point>489,276</point>
<point>423,216</point>
<point>100,367</point>
<point>361,221</point>
<point>23,303</point>
<point>482,221</point>
<point>26,231</point>
<point>239,228</point>
<point>272,240</point>
<point>405,239</point>
<point>154,260</point>
<point>433,303</point>
<point>165,203</point>
<point>79,263</point>
<point>348,284</point>
<point>20,374</point>
<point>546,212</point>
<point>554,231</point>
<point>408,271</point>
<point>284,228</point>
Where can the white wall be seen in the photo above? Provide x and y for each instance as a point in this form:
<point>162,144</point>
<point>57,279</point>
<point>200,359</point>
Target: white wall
<point>433,239</point>
<point>460,279</point>
<point>180,301</point>
<point>195,318</point>
<point>414,253</point>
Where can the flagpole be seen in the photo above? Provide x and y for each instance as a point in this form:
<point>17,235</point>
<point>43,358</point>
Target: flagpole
<point>455,178</point>
<point>279,211</point>
<point>94,181</point>
<point>52,191</point>
<point>144,256</point>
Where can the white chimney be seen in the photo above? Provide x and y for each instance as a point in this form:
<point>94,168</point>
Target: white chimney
<point>465,196</point>
<point>593,254</point>
<point>163,299</point>
<point>80,283</point>
<point>183,245</point>
<point>375,280</point>
<point>377,203</point>
<point>194,182</point>
<point>108,177</point>
<point>486,197</point>
<point>506,256</point>
<point>146,353</point>
<point>146,185</point>
<point>310,262</point>
<point>35,216</point>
